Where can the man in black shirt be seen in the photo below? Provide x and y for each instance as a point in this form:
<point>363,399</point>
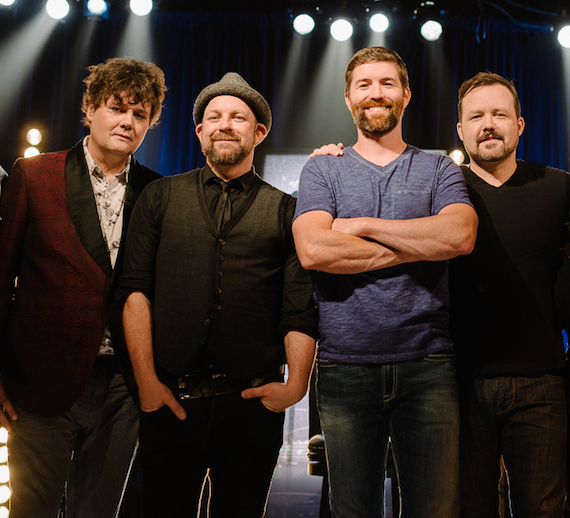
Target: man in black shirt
<point>215,301</point>
<point>509,351</point>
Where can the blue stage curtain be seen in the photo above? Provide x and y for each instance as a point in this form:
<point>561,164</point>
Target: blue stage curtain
<point>195,49</point>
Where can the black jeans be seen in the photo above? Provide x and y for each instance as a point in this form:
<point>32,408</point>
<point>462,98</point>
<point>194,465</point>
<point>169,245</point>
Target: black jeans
<point>237,440</point>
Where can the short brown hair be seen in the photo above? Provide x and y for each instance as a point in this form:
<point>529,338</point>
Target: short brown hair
<point>141,80</point>
<point>486,79</point>
<point>370,55</point>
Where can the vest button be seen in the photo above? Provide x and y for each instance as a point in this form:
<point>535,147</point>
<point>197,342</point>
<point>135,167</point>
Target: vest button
<point>219,291</point>
<point>222,242</point>
<point>218,307</point>
<point>221,258</point>
<point>206,322</point>
<point>221,274</point>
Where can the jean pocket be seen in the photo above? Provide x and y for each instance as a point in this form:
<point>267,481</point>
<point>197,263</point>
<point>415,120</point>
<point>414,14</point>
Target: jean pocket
<point>440,357</point>
<point>326,364</point>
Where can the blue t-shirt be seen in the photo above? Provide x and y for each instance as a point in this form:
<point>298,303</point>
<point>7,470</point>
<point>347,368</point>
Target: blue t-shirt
<point>393,314</point>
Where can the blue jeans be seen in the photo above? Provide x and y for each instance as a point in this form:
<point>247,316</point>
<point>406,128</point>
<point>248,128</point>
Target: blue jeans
<point>525,420</point>
<point>415,404</point>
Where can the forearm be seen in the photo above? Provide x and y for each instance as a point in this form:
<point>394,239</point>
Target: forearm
<point>137,323</point>
<point>300,352</point>
<point>326,249</point>
<point>448,234</point>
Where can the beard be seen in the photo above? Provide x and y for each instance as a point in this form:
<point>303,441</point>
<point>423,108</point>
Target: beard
<point>228,154</point>
<point>378,124</point>
<point>497,153</point>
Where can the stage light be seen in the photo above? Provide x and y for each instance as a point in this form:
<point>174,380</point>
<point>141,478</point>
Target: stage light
<point>379,22</point>
<point>97,7</point>
<point>457,156</point>
<point>303,24</point>
<point>4,494</point>
<point>4,513</point>
<point>341,29</point>
<point>34,136</point>
<point>3,435</point>
<point>141,7</point>
<point>57,9</point>
<point>431,30</point>
<point>29,152</point>
<point>564,36</point>
<point>427,15</point>
<point>7,3</point>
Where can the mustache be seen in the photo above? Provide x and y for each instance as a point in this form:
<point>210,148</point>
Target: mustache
<point>489,134</point>
<point>222,135</point>
<point>372,103</point>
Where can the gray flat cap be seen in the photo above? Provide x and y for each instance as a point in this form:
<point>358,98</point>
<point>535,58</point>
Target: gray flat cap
<point>233,84</point>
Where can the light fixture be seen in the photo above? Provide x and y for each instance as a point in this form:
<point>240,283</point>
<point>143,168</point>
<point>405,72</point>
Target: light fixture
<point>457,156</point>
<point>34,136</point>
<point>379,22</point>
<point>431,30</point>
<point>303,24</point>
<point>141,7</point>
<point>31,151</point>
<point>564,36</point>
<point>7,3</point>
<point>96,7</point>
<point>427,16</point>
<point>341,29</point>
<point>57,9</point>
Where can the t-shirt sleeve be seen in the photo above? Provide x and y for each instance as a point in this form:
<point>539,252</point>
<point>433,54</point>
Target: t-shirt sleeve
<point>450,186</point>
<point>315,190</point>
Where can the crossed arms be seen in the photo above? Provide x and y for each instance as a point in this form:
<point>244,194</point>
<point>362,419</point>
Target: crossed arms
<point>356,245</point>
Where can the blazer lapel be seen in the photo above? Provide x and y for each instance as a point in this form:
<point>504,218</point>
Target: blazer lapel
<point>82,207</point>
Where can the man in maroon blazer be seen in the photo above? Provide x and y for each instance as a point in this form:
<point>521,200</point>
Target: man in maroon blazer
<point>73,425</point>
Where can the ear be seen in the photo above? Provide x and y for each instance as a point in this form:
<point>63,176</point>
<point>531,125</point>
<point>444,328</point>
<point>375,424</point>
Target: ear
<point>260,133</point>
<point>459,131</point>
<point>521,124</point>
<point>198,130</point>
<point>89,113</point>
<point>407,96</point>
<point>347,102</point>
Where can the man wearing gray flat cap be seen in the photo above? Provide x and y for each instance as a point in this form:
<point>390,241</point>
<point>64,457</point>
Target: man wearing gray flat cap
<point>216,302</point>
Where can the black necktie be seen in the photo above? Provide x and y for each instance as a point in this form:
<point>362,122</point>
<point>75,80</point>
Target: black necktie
<point>224,205</point>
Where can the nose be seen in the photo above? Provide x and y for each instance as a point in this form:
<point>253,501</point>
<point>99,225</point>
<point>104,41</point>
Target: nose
<point>127,119</point>
<point>377,91</point>
<point>488,122</point>
<point>225,123</point>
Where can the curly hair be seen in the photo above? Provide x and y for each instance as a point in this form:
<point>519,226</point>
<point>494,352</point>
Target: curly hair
<point>372,55</point>
<point>486,79</point>
<point>142,81</point>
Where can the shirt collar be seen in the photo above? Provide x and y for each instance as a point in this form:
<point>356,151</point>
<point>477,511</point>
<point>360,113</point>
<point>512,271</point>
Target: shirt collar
<point>245,180</point>
<point>95,170</point>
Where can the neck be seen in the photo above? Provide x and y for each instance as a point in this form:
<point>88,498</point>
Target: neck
<point>110,164</point>
<point>380,150</point>
<point>495,173</point>
<point>229,172</point>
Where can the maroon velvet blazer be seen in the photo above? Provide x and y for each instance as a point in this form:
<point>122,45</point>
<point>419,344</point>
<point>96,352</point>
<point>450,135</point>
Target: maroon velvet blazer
<point>52,322</point>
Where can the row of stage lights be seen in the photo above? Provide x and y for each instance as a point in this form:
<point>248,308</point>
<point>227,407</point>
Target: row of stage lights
<point>341,28</point>
<point>59,9</point>
<point>430,26</point>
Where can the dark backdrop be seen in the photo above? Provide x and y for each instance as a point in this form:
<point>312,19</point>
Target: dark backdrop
<point>302,78</point>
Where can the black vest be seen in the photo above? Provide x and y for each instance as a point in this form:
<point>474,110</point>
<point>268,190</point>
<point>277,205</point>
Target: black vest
<point>235,275</point>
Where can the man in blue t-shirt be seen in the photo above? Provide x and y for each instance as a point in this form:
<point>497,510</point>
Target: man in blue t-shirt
<point>379,224</point>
